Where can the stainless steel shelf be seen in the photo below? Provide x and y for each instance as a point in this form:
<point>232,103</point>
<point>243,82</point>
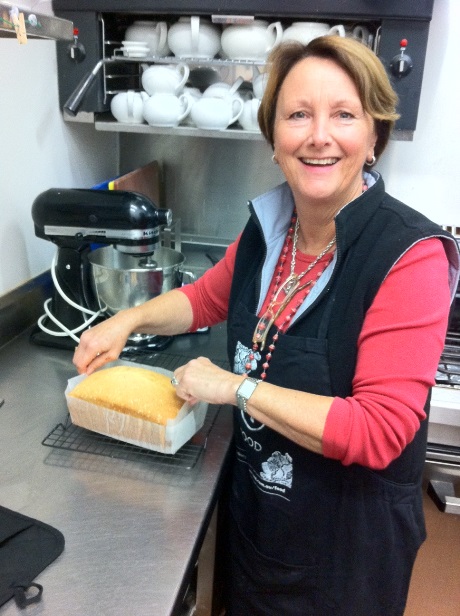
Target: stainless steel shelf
<point>181,131</point>
<point>191,61</point>
<point>37,26</point>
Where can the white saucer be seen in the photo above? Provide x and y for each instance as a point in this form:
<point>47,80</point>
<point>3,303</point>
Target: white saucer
<point>127,44</point>
<point>141,52</point>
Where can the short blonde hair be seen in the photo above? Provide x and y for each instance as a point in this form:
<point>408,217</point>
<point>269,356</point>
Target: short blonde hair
<point>361,64</point>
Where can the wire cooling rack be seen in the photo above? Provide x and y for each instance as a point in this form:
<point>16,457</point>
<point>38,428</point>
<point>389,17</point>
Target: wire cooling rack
<point>73,438</point>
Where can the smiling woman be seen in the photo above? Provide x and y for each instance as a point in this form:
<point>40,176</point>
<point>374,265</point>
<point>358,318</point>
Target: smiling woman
<point>376,95</point>
<point>330,275</point>
<point>322,136</point>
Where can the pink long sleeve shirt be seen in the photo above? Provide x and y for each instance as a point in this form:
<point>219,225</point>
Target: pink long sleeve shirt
<point>398,352</point>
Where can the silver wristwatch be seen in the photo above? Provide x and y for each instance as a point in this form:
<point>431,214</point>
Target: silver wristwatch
<point>245,391</point>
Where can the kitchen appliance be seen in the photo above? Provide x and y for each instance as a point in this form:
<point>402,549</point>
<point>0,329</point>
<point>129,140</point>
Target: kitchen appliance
<point>122,280</point>
<point>398,30</point>
<point>443,449</point>
<point>79,221</point>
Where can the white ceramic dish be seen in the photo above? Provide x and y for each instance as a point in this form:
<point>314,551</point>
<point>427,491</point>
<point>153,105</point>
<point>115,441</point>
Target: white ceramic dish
<point>135,53</point>
<point>133,44</point>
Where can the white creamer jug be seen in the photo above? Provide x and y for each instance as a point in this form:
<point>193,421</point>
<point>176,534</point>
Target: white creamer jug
<point>165,78</point>
<point>154,33</point>
<point>306,31</point>
<point>194,37</point>
<point>252,41</point>
<point>127,107</point>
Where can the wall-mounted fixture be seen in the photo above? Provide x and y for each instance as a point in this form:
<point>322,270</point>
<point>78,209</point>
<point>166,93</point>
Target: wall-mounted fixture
<point>22,23</point>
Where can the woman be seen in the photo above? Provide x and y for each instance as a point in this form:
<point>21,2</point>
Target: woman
<point>337,299</point>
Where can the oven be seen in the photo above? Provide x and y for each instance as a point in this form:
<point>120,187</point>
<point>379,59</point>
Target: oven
<point>443,449</point>
<point>398,31</point>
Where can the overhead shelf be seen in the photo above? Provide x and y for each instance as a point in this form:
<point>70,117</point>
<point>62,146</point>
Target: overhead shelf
<point>35,25</point>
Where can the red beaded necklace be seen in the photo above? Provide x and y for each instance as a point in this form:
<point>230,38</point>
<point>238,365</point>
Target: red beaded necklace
<point>283,295</point>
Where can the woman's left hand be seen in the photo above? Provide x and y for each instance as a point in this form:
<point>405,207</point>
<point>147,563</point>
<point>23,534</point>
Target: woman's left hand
<point>200,379</point>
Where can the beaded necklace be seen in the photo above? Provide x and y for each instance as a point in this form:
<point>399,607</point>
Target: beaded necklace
<point>283,295</point>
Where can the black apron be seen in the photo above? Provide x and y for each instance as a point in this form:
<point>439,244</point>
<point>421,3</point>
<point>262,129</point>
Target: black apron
<point>309,536</point>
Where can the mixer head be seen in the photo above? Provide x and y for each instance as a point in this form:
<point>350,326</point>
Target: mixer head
<point>73,217</point>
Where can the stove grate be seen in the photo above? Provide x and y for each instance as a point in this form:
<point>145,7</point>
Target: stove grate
<point>448,373</point>
<point>73,438</point>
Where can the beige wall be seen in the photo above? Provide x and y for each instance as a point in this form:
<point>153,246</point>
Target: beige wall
<point>38,150</point>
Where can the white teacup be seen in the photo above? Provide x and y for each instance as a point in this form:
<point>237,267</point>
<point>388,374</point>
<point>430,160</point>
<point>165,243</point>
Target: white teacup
<point>164,78</point>
<point>154,33</point>
<point>127,107</point>
<point>166,109</point>
<point>248,117</point>
<point>214,113</point>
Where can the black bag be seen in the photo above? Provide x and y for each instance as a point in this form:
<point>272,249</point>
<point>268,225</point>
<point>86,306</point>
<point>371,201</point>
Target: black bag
<point>27,546</point>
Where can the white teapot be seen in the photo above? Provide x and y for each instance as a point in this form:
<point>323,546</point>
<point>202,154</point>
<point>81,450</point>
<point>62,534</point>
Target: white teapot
<point>165,109</point>
<point>127,107</point>
<point>214,113</point>
<point>220,89</point>
<point>306,31</point>
<point>251,41</point>
<point>154,33</point>
<point>194,37</point>
<point>165,78</point>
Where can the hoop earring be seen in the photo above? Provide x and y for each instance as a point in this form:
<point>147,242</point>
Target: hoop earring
<point>372,163</point>
<point>274,161</point>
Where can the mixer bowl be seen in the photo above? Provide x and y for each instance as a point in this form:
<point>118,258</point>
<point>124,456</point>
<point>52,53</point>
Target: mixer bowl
<point>122,280</point>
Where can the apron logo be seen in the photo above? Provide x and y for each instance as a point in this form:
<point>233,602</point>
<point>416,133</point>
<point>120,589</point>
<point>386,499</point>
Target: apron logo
<point>251,442</point>
<point>278,469</point>
<point>242,358</point>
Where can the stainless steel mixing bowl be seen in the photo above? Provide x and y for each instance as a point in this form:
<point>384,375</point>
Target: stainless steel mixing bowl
<point>122,281</point>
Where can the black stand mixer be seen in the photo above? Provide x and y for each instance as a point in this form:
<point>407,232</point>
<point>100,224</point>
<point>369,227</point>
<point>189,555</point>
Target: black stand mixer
<point>78,221</point>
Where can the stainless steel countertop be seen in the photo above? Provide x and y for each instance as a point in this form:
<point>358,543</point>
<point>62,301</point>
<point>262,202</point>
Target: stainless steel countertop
<point>132,530</point>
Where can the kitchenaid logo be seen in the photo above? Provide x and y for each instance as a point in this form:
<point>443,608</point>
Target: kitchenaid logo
<point>128,234</point>
<point>150,232</point>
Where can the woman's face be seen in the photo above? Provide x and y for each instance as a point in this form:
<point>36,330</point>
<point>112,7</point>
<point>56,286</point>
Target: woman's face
<point>322,135</point>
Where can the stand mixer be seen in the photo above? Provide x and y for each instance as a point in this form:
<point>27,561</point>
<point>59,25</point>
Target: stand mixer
<point>75,220</point>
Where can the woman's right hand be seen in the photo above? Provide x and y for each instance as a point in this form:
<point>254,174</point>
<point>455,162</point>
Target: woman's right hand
<point>167,314</point>
<point>102,343</point>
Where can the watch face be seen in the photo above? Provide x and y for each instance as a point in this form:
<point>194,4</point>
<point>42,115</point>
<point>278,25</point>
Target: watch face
<point>246,388</point>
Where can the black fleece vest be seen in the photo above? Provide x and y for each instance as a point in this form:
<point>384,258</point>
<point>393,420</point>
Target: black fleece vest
<point>373,232</point>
